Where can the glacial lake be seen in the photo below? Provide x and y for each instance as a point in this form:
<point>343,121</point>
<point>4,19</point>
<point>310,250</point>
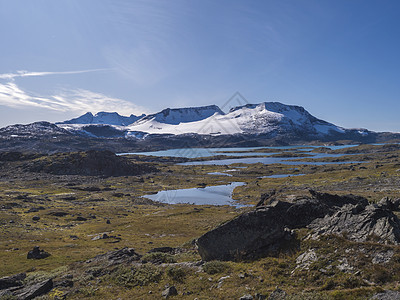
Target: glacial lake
<point>209,195</point>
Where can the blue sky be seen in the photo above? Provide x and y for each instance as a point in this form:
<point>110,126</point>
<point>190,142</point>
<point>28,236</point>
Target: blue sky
<point>339,59</point>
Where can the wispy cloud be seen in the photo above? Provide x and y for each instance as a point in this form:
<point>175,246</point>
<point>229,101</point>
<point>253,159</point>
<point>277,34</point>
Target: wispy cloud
<point>11,76</point>
<point>77,101</point>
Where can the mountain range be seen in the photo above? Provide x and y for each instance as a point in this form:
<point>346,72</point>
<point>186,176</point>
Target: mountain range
<point>266,123</point>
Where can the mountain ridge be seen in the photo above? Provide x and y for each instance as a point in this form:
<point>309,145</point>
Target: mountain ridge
<point>262,124</point>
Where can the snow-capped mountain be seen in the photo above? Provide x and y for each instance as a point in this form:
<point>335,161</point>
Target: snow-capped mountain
<point>175,116</point>
<point>266,117</point>
<point>109,118</point>
<point>184,120</point>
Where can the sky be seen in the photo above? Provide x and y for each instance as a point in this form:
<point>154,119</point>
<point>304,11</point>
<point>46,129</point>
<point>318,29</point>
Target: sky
<point>339,59</point>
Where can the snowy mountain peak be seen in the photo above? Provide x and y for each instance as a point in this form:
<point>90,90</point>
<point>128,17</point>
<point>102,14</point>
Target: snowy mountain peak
<point>175,116</point>
<point>109,118</point>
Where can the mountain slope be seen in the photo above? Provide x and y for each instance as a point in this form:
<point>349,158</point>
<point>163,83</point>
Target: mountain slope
<point>109,118</point>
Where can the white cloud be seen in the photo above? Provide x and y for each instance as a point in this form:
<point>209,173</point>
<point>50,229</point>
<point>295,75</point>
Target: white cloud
<point>77,101</point>
<point>11,76</point>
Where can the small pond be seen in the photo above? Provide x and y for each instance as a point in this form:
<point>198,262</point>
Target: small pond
<point>210,195</point>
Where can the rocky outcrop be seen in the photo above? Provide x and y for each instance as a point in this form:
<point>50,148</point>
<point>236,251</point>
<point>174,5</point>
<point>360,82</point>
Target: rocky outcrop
<point>266,229</point>
<point>36,290</point>
<point>24,292</point>
<point>360,223</point>
<point>12,281</point>
<point>124,255</point>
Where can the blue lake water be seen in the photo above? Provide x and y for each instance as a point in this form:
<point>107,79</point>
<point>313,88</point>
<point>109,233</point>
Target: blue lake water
<point>207,152</point>
<point>210,195</point>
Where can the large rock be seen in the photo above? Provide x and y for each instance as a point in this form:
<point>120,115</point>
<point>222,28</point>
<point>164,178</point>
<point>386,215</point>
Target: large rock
<point>261,230</point>
<point>267,228</point>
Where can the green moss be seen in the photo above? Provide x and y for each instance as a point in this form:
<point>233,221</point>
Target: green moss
<point>158,257</point>
<point>215,267</point>
<point>137,275</point>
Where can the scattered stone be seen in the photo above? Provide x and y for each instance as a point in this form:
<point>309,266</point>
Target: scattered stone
<point>386,295</point>
<point>64,283</point>
<point>246,297</point>
<point>74,237</point>
<point>108,222</point>
<point>170,291</point>
<point>382,257</point>
<point>82,219</point>
<point>36,218</point>
<point>101,236</point>
<point>37,253</point>
<point>278,294</point>
<point>11,281</point>
<point>221,281</point>
<point>258,296</point>
<point>344,266</point>
<point>306,259</point>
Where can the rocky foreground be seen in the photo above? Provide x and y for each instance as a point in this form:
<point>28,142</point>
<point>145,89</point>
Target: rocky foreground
<point>364,234</point>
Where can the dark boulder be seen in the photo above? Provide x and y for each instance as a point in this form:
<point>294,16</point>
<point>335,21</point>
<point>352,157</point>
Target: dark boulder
<point>248,235</point>
<point>37,253</point>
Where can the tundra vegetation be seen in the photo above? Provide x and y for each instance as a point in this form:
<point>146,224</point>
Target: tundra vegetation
<point>106,241</point>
